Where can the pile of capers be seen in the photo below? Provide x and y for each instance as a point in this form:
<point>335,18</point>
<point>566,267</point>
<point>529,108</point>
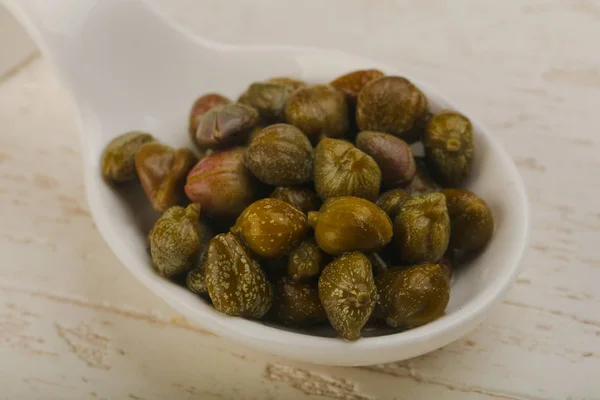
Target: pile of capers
<point>303,204</point>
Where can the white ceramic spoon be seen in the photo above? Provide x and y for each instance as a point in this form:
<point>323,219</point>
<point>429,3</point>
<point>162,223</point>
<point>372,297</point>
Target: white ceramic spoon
<point>128,67</point>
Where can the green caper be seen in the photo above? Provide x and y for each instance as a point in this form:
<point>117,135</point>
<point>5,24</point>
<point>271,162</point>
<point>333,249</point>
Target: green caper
<point>175,240</point>
<point>471,221</point>
<point>235,281</point>
<point>306,261</point>
<point>297,303</point>
<point>271,228</point>
<point>118,157</point>
<point>391,201</point>
<point>413,296</point>
<point>348,223</point>
<point>269,99</point>
<point>348,294</point>
<point>303,198</point>
<point>196,281</point>
<point>343,170</point>
<point>448,142</point>
<point>422,229</point>
<point>280,154</point>
<point>318,111</point>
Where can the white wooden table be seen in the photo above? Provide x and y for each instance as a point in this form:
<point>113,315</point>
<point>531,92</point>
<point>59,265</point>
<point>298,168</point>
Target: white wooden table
<point>74,324</point>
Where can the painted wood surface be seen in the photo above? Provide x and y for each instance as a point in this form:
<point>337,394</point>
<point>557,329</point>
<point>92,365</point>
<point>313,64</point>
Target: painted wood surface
<point>74,324</point>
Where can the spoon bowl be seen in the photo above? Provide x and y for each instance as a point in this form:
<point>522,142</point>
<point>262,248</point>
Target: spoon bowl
<point>129,68</point>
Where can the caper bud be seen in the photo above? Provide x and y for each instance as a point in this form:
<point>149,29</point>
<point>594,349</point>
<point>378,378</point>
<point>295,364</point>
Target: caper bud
<point>352,83</point>
<point>271,228</point>
<point>471,221</point>
<point>196,281</point>
<point>422,183</point>
<point>226,126</point>
<point>346,224</point>
<point>303,198</point>
<point>236,283</point>
<point>448,142</point>
<point>413,296</point>
<point>348,294</point>
<point>200,107</point>
<point>297,303</point>
<point>422,229</point>
<point>391,104</point>
<point>291,82</point>
<point>118,157</point>
<point>162,171</point>
<point>175,240</point>
<point>280,154</point>
<point>343,170</point>
<point>306,261</point>
<point>391,201</point>
<point>222,184</point>
<point>393,156</point>
<point>269,99</point>
<point>318,111</point>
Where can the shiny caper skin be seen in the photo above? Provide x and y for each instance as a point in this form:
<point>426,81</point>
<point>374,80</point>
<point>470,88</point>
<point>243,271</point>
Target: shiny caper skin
<point>471,221</point>
<point>269,99</point>
<point>280,154</point>
<point>343,170</point>
<point>422,229</point>
<point>162,171</point>
<point>393,156</point>
<point>318,111</point>
<point>235,281</point>
<point>448,142</point>
<point>348,293</point>
<point>413,296</point>
<point>391,104</point>
<point>196,281</point>
<point>226,126</point>
<point>306,261</point>
<point>271,228</point>
<point>346,224</point>
<point>200,107</point>
<point>175,240</point>
<point>352,83</point>
<point>297,303</point>
<point>118,157</point>
<point>391,201</point>
<point>303,198</point>
<point>422,182</point>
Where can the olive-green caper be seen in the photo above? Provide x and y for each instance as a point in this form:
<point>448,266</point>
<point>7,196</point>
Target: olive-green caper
<point>348,294</point>
<point>175,240</point>
<point>422,229</point>
<point>306,261</point>
<point>297,303</point>
<point>303,198</point>
<point>280,154</point>
<point>271,228</point>
<point>343,170</point>
<point>235,281</point>
<point>196,281</point>
<point>200,107</point>
<point>391,104</point>
<point>471,221</point>
<point>226,126</point>
<point>291,82</point>
<point>318,111</point>
<point>421,183</point>
<point>448,142</point>
<point>391,201</point>
<point>118,157</point>
<point>393,156</point>
<point>346,224</point>
<point>162,171</point>
<point>269,99</point>
<point>413,296</point>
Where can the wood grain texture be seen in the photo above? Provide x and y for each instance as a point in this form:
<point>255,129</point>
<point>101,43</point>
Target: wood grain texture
<point>75,325</point>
